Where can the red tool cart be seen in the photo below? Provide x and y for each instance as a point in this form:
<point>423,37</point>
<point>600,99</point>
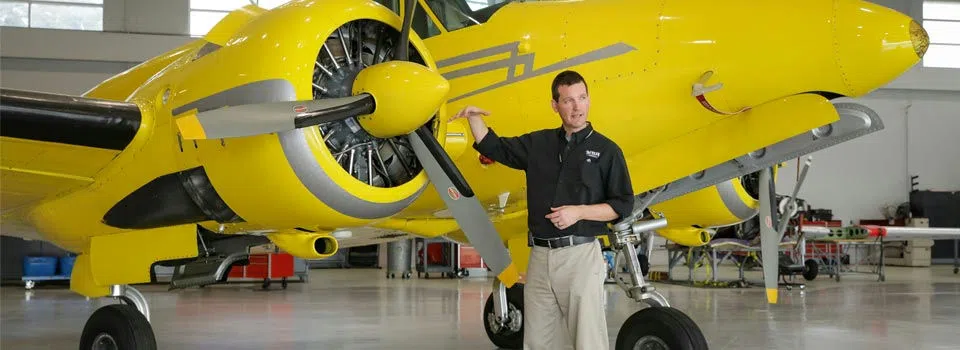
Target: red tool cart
<point>267,267</point>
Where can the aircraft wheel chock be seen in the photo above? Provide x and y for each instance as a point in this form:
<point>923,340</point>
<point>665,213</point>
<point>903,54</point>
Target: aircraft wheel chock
<point>510,336</point>
<point>117,326</point>
<point>660,328</point>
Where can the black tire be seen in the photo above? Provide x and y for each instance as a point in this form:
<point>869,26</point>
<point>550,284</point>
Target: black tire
<point>810,269</point>
<point>126,327</point>
<point>506,339</point>
<point>670,326</point>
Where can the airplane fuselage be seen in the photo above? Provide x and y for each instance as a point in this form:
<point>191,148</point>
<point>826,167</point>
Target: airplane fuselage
<point>640,60</point>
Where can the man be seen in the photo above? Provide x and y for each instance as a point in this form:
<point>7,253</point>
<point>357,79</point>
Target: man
<point>577,182</point>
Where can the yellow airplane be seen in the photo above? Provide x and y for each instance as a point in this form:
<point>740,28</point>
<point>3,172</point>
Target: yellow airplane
<point>323,124</point>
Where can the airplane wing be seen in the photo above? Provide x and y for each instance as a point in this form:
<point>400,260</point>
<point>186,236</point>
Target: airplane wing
<point>53,144</point>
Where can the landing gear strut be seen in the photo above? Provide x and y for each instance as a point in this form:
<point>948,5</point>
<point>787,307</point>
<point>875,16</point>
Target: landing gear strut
<point>120,326</point>
<point>658,326</point>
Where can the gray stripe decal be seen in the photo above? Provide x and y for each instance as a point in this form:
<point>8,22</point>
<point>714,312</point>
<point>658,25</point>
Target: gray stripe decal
<point>478,54</point>
<point>297,152</point>
<point>526,59</point>
<point>322,186</point>
<point>271,90</point>
<point>733,202</point>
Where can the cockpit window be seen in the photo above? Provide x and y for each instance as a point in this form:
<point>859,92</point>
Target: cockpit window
<point>456,14</point>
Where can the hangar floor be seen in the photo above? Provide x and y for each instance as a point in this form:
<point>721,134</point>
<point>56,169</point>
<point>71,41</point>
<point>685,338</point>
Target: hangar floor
<point>361,309</point>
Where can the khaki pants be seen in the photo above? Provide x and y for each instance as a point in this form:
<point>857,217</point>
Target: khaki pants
<point>563,299</point>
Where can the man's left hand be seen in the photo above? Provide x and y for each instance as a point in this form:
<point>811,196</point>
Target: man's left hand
<point>564,216</point>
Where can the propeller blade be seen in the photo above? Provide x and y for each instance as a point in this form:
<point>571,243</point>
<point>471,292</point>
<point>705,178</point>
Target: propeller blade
<point>404,43</point>
<point>769,239</point>
<point>264,118</point>
<point>466,209</point>
<point>449,169</point>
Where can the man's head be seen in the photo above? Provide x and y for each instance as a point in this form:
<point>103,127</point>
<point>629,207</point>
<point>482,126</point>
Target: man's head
<point>571,99</point>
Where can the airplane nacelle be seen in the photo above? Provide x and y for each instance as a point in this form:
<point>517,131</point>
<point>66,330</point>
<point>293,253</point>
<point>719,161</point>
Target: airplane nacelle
<point>333,175</point>
<point>724,204</point>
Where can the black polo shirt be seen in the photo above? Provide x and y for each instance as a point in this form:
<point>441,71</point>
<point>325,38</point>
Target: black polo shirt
<point>588,169</point>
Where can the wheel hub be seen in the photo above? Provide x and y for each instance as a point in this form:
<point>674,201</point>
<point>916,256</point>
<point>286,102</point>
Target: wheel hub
<point>104,341</point>
<point>650,342</point>
<point>514,320</point>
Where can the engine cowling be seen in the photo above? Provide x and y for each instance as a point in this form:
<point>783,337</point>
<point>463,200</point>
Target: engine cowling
<point>724,204</point>
<point>335,174</point>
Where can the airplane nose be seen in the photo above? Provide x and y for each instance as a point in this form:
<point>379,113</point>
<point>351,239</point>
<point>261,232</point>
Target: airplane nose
<point>875,45</point>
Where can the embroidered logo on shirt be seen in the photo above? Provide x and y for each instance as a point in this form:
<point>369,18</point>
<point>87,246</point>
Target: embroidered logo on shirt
<point>593,154</point>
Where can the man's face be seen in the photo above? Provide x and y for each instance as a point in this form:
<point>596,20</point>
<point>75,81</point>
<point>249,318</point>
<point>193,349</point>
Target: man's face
<point>572,105</point>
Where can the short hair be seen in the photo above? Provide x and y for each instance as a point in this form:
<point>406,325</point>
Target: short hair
<point>567,77</point>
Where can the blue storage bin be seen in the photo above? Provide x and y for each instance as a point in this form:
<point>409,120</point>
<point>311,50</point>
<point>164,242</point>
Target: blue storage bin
<point>66,264</point>
<point>39,265</point>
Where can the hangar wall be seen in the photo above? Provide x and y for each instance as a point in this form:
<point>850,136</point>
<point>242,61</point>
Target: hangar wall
<point>921,110</point>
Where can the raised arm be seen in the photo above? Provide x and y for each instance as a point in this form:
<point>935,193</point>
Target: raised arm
<point>510,151</point>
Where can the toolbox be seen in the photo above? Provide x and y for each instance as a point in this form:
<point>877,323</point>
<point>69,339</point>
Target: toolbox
<point>267,267</point>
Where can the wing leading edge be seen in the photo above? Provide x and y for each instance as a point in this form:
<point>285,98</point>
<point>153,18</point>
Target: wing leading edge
<point>54,143</point>
<point>65,119</point>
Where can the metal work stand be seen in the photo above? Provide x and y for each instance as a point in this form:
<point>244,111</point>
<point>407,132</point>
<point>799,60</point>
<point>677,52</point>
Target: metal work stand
<point>835,268</point>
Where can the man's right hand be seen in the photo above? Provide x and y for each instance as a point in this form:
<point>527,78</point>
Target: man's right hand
<point>474,115</point>
<point>469,112</point>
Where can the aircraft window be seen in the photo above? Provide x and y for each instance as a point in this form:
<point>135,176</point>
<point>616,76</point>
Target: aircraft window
<point>456,14</point>
<point>391,4</point>
<point>422,23</point>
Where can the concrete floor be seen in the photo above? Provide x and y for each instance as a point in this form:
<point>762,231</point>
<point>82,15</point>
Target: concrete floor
<point>916,308</point>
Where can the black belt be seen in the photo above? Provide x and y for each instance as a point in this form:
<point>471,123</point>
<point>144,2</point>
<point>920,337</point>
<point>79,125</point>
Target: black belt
<point>561,242</point>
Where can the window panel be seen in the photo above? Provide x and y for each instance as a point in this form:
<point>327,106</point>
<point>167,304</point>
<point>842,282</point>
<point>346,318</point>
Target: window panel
<point>202,21</point>
<point>943,56</point>
<point>218,5</point>
<point>943,32</point>
<point>58,16</point>
<point>14,14</point>
<point>270,4</point>
<point>99,2</point>
<point>941,10</point>
<point>477,4</point>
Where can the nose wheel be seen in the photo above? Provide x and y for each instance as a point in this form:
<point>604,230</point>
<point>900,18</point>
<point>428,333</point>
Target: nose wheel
<point>120,326</point>
<point>503,316</point>
<point>660,328</point>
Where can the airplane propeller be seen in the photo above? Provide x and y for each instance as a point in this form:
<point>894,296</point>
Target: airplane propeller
<point>772,226</point>
<point>382,111</point>
<point>453,188</point>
